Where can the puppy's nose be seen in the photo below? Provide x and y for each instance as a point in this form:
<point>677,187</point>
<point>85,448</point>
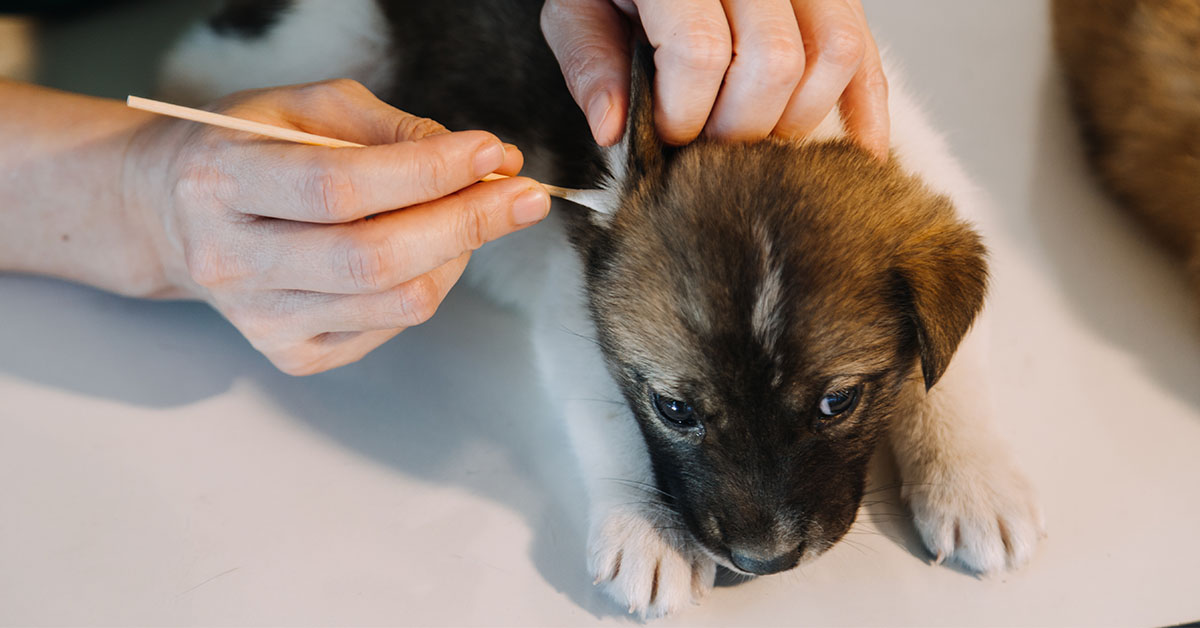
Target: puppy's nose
<point>761,563</point>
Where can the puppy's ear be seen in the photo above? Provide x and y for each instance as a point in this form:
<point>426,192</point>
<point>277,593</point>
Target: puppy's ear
<point>647,153</point>
<point>943,276</point>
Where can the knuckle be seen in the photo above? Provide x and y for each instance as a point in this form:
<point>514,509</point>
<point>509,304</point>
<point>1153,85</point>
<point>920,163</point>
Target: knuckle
<point>366,266</point>
<point>843,46</point>
<point>780,59</point>
<point>196,184</point>
<point>583,55</point>
<point>705,47</point>
<point>874,81</point>
<point>432,171</point>
<point>418,300</point>
<point>473,229</point>
<point>330,193</point>
<point>415,127</point>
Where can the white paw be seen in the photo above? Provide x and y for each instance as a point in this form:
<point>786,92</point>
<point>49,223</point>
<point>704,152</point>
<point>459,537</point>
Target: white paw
<point>645,564</point>
<point>981,514</point>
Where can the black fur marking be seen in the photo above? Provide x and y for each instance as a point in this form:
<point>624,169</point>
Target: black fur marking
<point>248,19</point>
<point>483,64</point>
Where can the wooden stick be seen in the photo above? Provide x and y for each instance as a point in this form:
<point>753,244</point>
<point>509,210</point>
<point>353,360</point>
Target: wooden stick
<point>237,124</point>
<point>587,198</point>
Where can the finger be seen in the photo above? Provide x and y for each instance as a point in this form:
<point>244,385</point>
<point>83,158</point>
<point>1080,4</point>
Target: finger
<point>835,45</point>
<point>341,329</point>
<point>692,49</point>
<point>514,160</point>
<point>328,351</point>
<point>768,62</point>
<point>590,39</point>
<point>406,305</point>
<point>865,104</point>
<point>395,247</point>
<point>337,185</point>
<point>353,347</point>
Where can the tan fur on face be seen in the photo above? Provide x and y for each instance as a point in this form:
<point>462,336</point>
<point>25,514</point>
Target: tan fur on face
<point>1133,67</point>
<point>815,268</point>
<point>801,254</point>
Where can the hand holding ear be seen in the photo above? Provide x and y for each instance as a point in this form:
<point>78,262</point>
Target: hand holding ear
<point>319,255</point>
<point>735,70</point>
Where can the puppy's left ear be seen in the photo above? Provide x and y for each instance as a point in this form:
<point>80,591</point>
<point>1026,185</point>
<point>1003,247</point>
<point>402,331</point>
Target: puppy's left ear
<point>647,153</point>
<point>943,273</point>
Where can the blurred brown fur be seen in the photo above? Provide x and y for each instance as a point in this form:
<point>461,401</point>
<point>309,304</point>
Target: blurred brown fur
<point>1133,68</point>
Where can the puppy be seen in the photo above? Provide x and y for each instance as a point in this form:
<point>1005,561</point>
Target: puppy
<point>764,314</point>
<point>1133,68</point>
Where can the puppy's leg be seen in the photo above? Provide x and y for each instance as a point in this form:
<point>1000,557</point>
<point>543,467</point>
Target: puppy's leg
<point>969,501</point>
<point>636,549</point>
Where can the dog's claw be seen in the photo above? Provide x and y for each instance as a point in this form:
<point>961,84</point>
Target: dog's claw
<point>984,518</point>
<point>658,574</point>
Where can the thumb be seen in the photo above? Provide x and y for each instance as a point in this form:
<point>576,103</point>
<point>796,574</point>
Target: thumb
<point>590,39</point>
<point>347,110</point>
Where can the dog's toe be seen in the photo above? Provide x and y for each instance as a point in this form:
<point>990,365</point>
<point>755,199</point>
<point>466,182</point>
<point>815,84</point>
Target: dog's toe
<point>986,520</point>
<point>644,569</point>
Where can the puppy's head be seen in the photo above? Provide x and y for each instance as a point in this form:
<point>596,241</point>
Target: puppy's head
<point>761,306</point>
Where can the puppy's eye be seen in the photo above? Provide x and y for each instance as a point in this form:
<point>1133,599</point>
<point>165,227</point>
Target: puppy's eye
<point>838,402</point>
<point>675,412</point>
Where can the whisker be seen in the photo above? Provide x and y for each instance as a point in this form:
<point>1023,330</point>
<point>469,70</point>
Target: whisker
<point>660,509</point>
<point>564,329</point>
<point>894,539</point>
<point>609,401</point>
<point>645,486</point>
<point>858,546</point>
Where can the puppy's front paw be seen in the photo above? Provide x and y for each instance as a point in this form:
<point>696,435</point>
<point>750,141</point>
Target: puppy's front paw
<point>646,564</point>
<point>980,514</point>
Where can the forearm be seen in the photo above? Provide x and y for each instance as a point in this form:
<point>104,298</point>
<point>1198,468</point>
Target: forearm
<point>62,206</point>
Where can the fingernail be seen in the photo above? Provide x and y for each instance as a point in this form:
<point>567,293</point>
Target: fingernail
<point>598,112</point>
<point>531,206</point>
<point>489,158</point>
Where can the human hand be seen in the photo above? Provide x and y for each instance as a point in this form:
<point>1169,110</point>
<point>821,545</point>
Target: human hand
<point>319,255</point>
<point>736,70</point>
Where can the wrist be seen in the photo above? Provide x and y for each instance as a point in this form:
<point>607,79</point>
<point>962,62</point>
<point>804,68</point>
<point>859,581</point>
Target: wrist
<point>156,269</point>
<point>64,207</point>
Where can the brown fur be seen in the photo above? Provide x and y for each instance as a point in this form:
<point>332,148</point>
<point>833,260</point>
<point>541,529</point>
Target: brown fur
<point>878,275</point>
<point>755,287</point>
<point>1133,67</point>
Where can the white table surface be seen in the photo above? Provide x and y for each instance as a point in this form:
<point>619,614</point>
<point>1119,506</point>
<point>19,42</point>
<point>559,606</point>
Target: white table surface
<point>155,470</point>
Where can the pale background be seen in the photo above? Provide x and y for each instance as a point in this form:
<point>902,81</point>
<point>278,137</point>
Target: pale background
<point>155,470</point>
